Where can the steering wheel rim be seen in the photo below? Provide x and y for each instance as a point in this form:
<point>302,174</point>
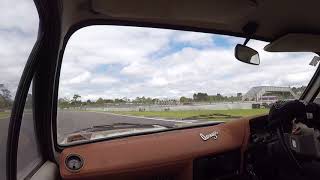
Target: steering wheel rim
<point>285,146</point>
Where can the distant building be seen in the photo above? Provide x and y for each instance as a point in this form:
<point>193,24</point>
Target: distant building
<point>268,93</point>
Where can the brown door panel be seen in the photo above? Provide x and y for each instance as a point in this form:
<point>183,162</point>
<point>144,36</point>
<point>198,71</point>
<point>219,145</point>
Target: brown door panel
<point>168,153</point>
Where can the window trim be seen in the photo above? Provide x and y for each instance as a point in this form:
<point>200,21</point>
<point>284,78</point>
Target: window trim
<point>82,24</point>
<point>311,91</point>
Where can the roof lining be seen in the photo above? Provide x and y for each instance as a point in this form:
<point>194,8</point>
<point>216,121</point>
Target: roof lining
<point>210,16</point>
<point>92,22</point>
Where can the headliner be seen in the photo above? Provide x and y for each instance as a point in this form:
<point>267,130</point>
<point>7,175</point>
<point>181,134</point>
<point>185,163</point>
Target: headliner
<point>274,18</point>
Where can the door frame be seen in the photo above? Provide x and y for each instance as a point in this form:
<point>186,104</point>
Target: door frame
<point>44,50</point>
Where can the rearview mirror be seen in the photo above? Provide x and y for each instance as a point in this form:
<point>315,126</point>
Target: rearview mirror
<point>246,54</point>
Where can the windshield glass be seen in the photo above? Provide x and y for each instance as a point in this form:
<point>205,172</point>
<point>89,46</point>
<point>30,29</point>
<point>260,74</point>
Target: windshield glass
<point>119,80</point>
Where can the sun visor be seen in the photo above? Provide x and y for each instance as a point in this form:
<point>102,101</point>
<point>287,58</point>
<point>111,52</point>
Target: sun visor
<point>212,11</point>
<point>295,42</point>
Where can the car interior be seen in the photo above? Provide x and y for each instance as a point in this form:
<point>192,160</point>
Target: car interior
<point>281,144</point>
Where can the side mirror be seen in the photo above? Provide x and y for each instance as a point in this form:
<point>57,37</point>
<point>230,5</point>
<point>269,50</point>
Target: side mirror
<point>246,54</point>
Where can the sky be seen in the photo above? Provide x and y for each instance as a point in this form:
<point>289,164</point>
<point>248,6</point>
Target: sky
<point>117,62</point>
<point>18,33</point>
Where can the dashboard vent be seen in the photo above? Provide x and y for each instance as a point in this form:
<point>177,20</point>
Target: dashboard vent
<point>220,166</point>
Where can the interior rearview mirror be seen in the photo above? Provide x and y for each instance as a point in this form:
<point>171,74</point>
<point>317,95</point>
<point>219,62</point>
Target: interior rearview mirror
<point>246,54</point>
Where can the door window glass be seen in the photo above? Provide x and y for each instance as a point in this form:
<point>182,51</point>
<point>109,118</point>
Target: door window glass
<point>29,156</point>
<point>18,33</point>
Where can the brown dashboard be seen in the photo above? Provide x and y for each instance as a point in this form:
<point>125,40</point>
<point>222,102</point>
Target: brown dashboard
<point>164,155</point>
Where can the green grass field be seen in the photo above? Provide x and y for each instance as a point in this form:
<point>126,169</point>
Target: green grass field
<point>199,114</point>
<point>4,115</point>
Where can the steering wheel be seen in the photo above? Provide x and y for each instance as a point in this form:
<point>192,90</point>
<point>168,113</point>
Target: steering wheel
<point>281,118</point>
<point>281,131</point>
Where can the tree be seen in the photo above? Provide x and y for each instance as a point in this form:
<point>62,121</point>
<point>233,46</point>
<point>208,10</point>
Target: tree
<point>100,101</point>
<point>155,100</point>
<point>185,100</point>
<point>75,99</point>
<point>108,101</point>
<point>5,97</point>
<point>5,93</point>
<point>298,90</point>
<point>200,97</point>
<point>2,102</point>
<point>64,102</point>
<point>89,101</point>
<point>119,100</point>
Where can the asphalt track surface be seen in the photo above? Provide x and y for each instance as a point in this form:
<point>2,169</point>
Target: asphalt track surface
<point>4,124</point>
<point>68,122</point>
<point>27,150</point>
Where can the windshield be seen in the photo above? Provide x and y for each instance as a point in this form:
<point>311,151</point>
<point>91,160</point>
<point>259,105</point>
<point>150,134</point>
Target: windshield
<point>119,80</point>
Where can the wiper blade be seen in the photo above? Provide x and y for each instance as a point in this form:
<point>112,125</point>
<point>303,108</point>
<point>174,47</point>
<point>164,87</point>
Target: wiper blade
<point>122,126</point>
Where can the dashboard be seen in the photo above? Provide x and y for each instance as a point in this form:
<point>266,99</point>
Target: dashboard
<point>238,149</point>
<point>170,155</point>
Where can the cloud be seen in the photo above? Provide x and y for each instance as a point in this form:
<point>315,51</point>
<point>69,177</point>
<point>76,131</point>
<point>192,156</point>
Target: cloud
<point>20,16</point>
<point>18,33</point>
<point>194,38</point>
<point>103,80</point>
<point>138,69</point>
<point>158,82</point>
<point>81,78</point>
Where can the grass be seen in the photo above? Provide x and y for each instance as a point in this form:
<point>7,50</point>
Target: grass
<point>4,115</point>
<point>199,114</point>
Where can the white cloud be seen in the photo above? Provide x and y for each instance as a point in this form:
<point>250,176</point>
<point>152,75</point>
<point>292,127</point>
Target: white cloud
<point>194,38</point>
<point>19,15</point>
<point>158,82</point>
<point>138,69</point>
<point>103,80</point>
<point>18,32</point>
<point>81,78</point>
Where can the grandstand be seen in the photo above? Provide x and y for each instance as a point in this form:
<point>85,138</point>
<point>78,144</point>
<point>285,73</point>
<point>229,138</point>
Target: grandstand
<point>261,93</point>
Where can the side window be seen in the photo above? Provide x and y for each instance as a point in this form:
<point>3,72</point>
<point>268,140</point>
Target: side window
<point>317,99</point>
<point>29,156</point>
<point>18,33</point>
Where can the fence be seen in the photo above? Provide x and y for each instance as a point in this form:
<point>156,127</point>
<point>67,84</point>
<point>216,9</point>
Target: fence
<point>132,107</point>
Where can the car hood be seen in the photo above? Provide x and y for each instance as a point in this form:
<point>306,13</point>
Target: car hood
<point>83,136</point>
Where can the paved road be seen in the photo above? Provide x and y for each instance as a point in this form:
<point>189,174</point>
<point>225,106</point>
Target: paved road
<point>27,145</point>
<point>68,122</point>
<point>4,123</point>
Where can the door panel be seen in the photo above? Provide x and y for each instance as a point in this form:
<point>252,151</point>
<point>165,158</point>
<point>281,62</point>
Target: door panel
<point>48,171</point>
